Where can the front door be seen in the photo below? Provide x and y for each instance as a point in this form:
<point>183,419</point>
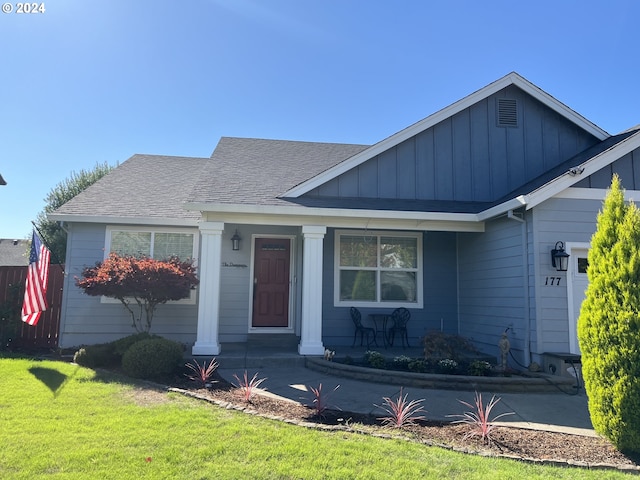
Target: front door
<point>577,283</point>
<point>271,282</point>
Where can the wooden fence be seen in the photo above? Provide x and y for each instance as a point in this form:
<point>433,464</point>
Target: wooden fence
<point>45,333</point>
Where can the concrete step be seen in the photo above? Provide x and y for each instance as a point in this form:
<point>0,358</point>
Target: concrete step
<point>255,355</point>
<point>275,340</point>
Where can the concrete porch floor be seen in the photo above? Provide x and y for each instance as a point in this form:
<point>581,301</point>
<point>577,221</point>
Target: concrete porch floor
<point>251,356</point>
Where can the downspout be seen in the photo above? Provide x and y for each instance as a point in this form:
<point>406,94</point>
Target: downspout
<point>525,269</point>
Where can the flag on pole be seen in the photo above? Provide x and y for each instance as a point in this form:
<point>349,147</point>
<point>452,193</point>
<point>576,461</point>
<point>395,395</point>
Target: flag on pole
<point>35,290</point>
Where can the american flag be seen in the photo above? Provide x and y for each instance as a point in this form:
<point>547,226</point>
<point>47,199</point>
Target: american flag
<point>35,290</point>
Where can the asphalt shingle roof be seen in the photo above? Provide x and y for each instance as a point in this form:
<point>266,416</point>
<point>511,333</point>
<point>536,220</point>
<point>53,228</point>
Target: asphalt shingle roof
<point>247,171</point>
<point>143,186</point>
<point>13,252</point>
<point>256,171</point>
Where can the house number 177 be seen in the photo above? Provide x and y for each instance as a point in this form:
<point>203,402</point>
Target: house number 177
<point>553,281</point>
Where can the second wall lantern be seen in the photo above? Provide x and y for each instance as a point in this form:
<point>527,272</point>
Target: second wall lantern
<point>235,241</point>
<point>559,258</point>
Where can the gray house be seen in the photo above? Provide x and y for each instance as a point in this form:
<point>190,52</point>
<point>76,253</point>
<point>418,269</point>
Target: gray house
<point>454,218</point>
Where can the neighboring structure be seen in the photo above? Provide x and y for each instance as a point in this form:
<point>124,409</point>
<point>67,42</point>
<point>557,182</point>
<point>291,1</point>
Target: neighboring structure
<point>14,253</point>
<point>453,217</point>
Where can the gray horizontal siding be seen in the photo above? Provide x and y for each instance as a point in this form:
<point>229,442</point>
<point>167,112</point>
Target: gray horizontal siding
<point>235,287</point>
<point>566,220</point>
<point>491,285</point>
<point>85,320</point>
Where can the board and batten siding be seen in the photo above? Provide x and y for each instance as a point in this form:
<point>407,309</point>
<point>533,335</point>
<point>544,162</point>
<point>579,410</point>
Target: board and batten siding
<point>85,320</point>
<point>565,220</point>
<point>491,285</point>
<point>626,167</point>
<point>467,157</point>
<point>439,285</point>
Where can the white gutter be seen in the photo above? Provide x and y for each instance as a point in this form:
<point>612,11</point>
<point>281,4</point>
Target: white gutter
<point>503,208</point>
<point>332,212</point>
<point>171,222</point>
<point>525,269</point>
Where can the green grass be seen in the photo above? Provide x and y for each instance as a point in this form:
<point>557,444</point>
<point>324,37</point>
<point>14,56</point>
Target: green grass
<point>62,421</point>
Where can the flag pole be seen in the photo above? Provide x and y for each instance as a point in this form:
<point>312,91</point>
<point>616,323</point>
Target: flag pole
<point>43,239</point>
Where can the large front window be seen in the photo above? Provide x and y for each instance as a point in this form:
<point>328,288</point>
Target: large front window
<point>378,269</point>
<point>157,243</point>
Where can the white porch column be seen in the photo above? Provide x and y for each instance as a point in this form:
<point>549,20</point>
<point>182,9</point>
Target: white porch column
<point>209,295</point>
<point>311,327</point>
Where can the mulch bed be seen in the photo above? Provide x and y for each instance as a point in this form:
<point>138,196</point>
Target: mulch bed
<point>511,442</point>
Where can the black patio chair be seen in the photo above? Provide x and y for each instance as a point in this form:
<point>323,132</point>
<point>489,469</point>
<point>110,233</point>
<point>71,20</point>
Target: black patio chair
<point>400,317</point>
<point>356,317</point>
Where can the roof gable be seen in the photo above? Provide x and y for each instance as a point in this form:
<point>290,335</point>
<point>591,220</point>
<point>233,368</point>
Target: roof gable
<point>446,113</point>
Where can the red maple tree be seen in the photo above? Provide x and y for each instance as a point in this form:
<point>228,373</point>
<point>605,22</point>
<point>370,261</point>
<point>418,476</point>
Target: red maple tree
<point>141,280</point>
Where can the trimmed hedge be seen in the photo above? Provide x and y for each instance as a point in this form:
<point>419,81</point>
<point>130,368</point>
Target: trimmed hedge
<point>123,344</point>
<point>108,354</point>
<point>153,358</point>
<point>96,356</point>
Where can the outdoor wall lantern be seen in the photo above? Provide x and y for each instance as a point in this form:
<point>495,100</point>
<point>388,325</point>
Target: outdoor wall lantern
<point>559,258</point>
<point>235,240</point>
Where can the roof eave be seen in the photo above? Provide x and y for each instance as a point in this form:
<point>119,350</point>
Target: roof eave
<point>108,219</point>
<point>513,204</point>
<point>338,216</point>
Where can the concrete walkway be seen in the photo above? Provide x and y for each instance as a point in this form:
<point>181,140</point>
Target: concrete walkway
<point>558,412</point>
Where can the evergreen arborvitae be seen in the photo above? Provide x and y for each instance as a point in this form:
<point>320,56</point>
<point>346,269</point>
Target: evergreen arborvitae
<point>609,323</point>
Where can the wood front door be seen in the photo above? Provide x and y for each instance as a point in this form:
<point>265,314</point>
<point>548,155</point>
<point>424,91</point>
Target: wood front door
<point>271,282</point>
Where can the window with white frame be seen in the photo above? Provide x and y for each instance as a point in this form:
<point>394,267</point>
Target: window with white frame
<point>157,243</point>
<point>378,269</point>
<point>154,244</point>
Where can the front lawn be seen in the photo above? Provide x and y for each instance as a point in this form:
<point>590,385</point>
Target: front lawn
<point>60,420</point>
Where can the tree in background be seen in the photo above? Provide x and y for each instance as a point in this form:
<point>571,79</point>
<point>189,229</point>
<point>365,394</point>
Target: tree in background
<point>141,280</point>
<point>53,234</point>
<point>609,323</point>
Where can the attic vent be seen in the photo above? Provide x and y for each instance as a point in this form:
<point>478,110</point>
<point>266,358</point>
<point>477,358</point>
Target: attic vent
<point>507,112</point>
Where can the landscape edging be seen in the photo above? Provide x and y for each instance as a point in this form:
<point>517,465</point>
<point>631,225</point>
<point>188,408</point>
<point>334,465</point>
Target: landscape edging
<point>518,383</point>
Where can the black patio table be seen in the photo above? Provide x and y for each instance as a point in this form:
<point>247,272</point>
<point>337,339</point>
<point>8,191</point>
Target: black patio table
<point>380,321</point>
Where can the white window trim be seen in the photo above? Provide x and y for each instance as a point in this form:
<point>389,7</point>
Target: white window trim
<point>153,230</point>
<point>419,303</point>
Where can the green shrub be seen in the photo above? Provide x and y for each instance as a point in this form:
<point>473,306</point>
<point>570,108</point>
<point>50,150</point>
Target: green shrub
<point>479,368</point>
<point>439,346</point>
<point>96,356</point>
<point>609,325</point>
<point>153,358</point>
<point>374,359</point>
<point>401,362</point>
<point>447,366</point>
<point>123,344</point>
<point>418,365</point>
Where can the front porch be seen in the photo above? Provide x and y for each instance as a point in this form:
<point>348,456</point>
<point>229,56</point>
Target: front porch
<point>252,356</point>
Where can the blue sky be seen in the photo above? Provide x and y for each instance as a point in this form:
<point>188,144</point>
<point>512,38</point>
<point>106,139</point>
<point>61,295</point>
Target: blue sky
<point>93,82</point>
